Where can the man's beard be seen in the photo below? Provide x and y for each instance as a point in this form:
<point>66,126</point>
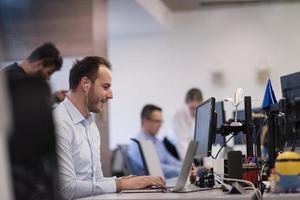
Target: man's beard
<point>93,103</point>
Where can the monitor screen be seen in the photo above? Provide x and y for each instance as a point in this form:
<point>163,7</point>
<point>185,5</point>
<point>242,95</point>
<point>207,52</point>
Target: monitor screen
<point>290,86</point>
<point>204,127</point>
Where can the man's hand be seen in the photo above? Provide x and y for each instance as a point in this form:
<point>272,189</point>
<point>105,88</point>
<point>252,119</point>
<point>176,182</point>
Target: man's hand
<point>139,182</point>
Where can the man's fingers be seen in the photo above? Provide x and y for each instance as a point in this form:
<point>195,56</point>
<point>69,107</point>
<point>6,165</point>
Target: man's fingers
<point>146,181</point>
<point>162,180</point>
<point>158,181</point>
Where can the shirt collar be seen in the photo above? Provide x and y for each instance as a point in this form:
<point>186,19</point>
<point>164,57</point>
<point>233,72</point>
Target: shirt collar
<point>74,113</point>
<point>147,136</point>
<point>20,68</point>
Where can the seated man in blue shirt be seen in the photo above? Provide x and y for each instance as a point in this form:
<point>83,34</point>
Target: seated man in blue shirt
<point>78,139</point>
<point>151,117</point>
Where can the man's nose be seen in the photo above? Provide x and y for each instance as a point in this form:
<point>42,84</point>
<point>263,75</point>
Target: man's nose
<point>110,94</point>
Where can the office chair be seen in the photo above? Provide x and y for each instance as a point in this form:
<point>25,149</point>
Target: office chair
<point>127,170</point>
<point>121,165</point>
<point>171,148</point>
<point>146,170</point>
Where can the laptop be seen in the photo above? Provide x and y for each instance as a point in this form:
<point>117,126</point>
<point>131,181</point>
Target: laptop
<point>180,185</point>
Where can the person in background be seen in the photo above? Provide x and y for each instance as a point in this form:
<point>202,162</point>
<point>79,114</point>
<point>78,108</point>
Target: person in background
<point>32,140</point>
<point>183,122</point>
<point>78,138</point>
<point>42,62</point>
<point>151,118</point>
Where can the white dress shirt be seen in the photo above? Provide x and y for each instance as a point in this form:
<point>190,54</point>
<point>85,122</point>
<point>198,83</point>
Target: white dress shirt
<point>182,130</point>
<point>78,149</point>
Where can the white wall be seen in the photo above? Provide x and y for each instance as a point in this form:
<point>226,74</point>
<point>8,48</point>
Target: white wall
<point>159,68</point>
<point>60,80</point>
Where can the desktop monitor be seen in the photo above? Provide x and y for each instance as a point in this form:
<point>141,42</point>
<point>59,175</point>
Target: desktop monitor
<point>205,126</point>
<point>219,107</point>
<point>290,86</point>
<point>240,138</point>
<point>290,134</point>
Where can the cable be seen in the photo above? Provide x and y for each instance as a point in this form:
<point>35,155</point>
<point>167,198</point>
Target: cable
<point>262,170</point>
<point>294,141</point>
<point>224,145</point>
<point>247,188</point>
<point>221,182</point>
<point>260,175</point>
<point>257,192</point>
<point>257,137</point>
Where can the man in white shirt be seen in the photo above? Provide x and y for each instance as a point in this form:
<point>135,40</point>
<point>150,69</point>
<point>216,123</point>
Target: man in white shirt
<point>78,139</point>
<point>184,121</point>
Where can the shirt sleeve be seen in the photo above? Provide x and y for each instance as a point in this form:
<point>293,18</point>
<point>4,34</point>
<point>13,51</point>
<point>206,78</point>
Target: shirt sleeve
<point>70,186</point>
<point>170,171</point>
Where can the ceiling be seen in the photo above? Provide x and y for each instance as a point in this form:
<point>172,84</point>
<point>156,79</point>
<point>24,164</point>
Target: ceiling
<point>127,18</point>
<point>132,18</point>
<point>189,5</point>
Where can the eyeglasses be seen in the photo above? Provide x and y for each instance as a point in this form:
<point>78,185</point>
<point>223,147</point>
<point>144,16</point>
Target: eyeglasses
<point>157,121</point>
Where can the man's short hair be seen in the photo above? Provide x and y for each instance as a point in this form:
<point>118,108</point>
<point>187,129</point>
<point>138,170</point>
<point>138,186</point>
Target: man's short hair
<point>49,55</point>
<point>88,67</point>
<point>148,110</point>
<point>194,94</point>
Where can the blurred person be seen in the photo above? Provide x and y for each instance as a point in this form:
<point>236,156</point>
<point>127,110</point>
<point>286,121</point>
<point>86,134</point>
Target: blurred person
<point>78,138</point>
<point>151,118</point>
<point>32,141</point>
<point>42,62</point>
<point>184,121</point>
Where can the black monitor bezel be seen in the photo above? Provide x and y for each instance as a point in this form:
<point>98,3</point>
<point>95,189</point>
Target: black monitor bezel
<point>212,121</point>
<point>223,114</point>
<point>218,128</point>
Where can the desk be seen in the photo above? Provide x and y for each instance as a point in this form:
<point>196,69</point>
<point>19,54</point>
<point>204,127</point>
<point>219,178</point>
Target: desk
<point>203,195</point>
<point>288,196</point>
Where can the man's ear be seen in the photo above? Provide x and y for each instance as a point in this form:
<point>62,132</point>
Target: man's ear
<point>85,84</point>
<point>86,87</point>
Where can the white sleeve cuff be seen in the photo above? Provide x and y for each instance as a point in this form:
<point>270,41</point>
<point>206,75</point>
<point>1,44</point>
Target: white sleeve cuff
<point>106,185</point>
